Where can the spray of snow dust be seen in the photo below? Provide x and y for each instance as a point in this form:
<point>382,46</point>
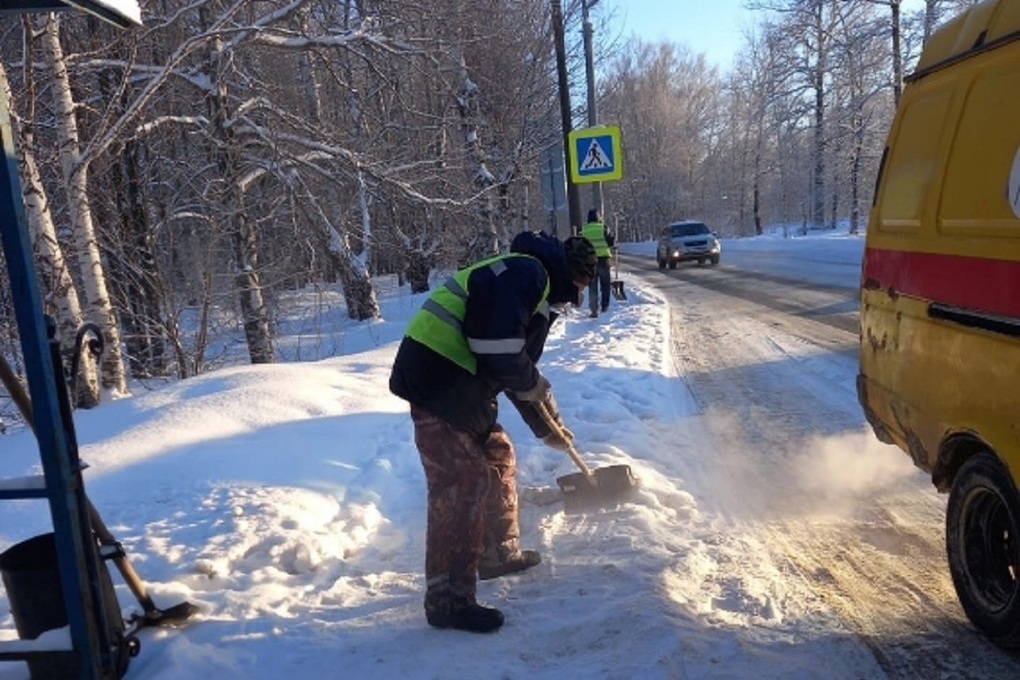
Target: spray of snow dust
<point>747,466</point>
<point>845,470</point>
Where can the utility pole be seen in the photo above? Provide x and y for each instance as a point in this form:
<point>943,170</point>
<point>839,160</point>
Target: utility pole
<point>589,72</point>
<point>573,200</point>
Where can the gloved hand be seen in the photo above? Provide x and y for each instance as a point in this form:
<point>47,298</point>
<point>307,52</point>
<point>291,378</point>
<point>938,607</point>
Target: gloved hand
<point>562,440</point>
<point>540,392</point>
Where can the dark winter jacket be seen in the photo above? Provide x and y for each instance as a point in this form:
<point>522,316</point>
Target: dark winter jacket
<point>506,313</point>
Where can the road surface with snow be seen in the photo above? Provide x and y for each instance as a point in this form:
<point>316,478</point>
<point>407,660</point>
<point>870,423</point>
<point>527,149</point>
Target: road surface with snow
<point>788,468</point>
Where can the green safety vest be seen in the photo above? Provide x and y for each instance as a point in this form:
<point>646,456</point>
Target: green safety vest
<point>596,233</point>
<point>439,323</point>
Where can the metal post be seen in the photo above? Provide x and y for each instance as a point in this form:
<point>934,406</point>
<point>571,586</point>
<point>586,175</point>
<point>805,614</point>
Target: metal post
<point>77,560</point>
<point>573,201</point>
<point>59,460</point>
<point>589,72</point>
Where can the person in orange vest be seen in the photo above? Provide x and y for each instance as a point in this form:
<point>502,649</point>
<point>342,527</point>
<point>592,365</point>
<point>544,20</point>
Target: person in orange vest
<point>598,290</point>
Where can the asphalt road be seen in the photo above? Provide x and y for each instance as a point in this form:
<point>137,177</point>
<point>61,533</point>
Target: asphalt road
<point>772,361</point>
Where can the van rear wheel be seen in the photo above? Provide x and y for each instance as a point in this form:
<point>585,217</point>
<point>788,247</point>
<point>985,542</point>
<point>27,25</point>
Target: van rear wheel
<point>983,546</point>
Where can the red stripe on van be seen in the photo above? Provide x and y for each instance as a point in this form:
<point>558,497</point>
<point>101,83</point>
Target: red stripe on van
<point>973,283</point>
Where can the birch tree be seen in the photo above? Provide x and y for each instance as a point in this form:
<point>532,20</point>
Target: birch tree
<point>860,54</point>
<point>669,101</point>
<point>61,292</point>
<point>756,81</point>
<point>210,213</point>
<point>75,180</point>
<point>229,196</point>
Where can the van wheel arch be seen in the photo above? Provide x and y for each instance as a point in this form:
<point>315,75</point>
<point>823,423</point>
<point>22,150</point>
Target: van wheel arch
<point>954,452</point>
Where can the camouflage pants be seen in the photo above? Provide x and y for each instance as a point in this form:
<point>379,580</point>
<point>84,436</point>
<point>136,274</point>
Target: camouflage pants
<point>472,505</point>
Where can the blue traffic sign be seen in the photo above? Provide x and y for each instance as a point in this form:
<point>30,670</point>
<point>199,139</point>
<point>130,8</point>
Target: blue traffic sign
<point>595,154</point>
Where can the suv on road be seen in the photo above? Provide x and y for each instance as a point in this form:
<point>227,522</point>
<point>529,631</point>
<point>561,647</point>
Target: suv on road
<point>687,240</point>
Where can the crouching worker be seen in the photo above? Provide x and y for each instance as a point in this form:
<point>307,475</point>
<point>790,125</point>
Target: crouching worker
<point>479,334</point>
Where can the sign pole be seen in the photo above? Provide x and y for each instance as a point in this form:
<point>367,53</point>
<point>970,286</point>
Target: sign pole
<point>573,200</point>
<point>589,72</point>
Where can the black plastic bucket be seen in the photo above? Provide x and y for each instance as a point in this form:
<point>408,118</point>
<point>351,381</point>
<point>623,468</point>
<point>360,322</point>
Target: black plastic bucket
<point>31,576</point>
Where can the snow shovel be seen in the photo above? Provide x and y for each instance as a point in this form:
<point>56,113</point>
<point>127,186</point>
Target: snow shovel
<point>109,548</point>
<point>616,285</point>
<point>588,489</point>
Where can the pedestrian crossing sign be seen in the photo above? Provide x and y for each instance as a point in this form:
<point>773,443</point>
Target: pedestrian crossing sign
<point>595,154</point>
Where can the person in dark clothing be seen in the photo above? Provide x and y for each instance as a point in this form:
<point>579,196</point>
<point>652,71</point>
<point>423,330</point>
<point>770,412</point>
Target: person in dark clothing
<point>603,241</point>
<point>480,334</point>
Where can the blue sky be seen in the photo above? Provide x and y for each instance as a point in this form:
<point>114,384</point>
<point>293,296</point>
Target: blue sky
<point>712,27</point>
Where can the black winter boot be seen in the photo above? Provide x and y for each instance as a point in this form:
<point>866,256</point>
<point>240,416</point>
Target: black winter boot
<point>525,559</point>
<point>465,614</point>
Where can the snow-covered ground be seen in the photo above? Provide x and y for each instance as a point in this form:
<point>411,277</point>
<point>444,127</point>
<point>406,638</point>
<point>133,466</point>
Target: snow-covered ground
<point>288,502</point>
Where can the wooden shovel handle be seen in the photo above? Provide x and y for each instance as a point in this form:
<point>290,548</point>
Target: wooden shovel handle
<point>555,427</point>
<point>21,399</point>
<point>17,391</point>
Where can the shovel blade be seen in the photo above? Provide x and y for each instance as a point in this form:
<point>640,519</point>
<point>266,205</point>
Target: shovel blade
<point>617,288</point>
<point>176,616</point>
<point>611,485</point>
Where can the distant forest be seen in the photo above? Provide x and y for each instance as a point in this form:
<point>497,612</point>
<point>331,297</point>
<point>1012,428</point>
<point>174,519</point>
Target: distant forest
<point>179,177</point>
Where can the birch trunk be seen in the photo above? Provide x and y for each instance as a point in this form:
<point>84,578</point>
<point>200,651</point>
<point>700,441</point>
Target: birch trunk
<point>897,48</point>
<point>354,271</point>
<point>61,294</point>
<point>75,176</point>
<point>819,142</point>
<point>358,292</point>
<point>359,295</point>
<point>357,283</point>
<point>486,240</point>
<point>930,17</point>
<point>254,314</point>
<point>855,173</point>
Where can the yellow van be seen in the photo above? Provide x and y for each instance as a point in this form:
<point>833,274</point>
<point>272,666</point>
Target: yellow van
<point>940,299</point>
